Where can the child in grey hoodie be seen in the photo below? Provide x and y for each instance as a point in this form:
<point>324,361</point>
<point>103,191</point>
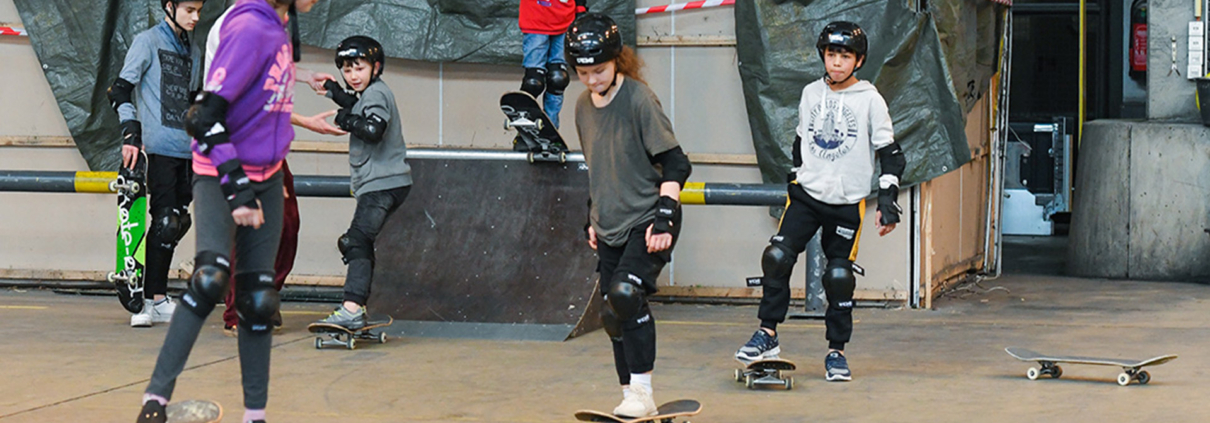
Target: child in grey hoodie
<point>843,124</point>
<point>380,175</point>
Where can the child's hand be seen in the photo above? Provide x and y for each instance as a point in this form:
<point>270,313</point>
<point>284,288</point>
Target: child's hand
<point>247,216</point>
<point>592,238</point>
<point>317,82</point>
<point>130,156</point>
<point>882,229</point>
<point>657,242</point>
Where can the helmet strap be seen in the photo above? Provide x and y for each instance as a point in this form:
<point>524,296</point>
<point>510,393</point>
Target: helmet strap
<point>183,35</point>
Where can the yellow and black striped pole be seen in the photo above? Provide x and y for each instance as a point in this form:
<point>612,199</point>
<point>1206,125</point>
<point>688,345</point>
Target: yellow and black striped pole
<point>695,193</point>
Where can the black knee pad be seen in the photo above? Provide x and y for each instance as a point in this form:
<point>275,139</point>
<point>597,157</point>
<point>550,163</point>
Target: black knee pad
<point>777,262</point>
<point>557,78</point>
<point>184,222</point>
<point>355,245</point>
<point>626,295</point>
<point>208,284</point>
<point>164,228</point>
<point>613,325</point>
<point>256,300</point>
<point>839,282</point>
<point>534,81</point>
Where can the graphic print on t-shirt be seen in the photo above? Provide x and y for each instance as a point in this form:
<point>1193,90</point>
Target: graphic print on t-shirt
<point>835,133</point>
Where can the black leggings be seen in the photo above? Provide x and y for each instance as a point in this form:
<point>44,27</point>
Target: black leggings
<point>841,225</point>
<point>373,209</point>
<point>636,353</point>
<point>170,187</point>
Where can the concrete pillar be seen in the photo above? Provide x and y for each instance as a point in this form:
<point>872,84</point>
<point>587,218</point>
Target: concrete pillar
<point>1141,209</point>
<point>1169,96</point>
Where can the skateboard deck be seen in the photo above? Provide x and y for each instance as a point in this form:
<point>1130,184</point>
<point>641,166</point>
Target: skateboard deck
<point>535,128</point>
<point>195,411</point>
<point>337,335</point>
<point>767,372</point>
<point>1131,369</point>
<point>127,276</point>
<point>667,413</point>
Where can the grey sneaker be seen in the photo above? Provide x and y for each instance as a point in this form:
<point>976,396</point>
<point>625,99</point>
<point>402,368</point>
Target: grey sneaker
<point>837,367</point>
<point>349,319</point>
<point>760,347</point>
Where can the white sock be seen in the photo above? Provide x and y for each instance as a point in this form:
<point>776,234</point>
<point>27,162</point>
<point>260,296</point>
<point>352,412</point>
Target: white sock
<point>643,380</point>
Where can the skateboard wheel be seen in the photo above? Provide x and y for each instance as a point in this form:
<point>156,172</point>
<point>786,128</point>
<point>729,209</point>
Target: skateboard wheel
<point>530,157</point>
<point>1124,379</point>
<point>789,383</point>
<point>110,277</point>
<point>319,343</point>
<point>1143,377</point>
<point>382,338</point>
<point>748,381</point>
<point>352,343</point>
<point>739,375</point>
<point>1032,373</point>
<point>1055,372</point>
<point>507,125</point>
<point>562,157</point>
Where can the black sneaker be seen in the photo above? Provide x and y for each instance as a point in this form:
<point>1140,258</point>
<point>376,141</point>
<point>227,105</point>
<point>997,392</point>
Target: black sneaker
<point>153,412</point>
<point>837,367</point>
<point>760,347</point>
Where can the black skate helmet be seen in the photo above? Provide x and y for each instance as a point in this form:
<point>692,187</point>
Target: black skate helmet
<point>846,35</point>
<point>592,39</point>
<point>361,47</point>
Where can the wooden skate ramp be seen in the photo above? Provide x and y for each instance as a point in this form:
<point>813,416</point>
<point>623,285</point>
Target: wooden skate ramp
<point>489,249</point>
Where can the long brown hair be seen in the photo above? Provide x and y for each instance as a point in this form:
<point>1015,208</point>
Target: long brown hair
<point>628,63</point>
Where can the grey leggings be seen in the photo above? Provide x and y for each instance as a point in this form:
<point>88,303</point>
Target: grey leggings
<point>256,250</point>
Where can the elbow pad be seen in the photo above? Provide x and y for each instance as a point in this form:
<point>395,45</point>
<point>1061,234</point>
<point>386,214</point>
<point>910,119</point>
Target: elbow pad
<point>893,165</point>
<point>119,93</point>
<point>370,128</point>
<point>206,121</point>
<point>676,165</point>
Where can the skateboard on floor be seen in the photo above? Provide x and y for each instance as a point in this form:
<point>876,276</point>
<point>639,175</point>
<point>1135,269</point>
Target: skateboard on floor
<point>533,126</point>
<point>667,413</point>
<point>337,335</point>
<point>127,276</point>
<point>767,372</point>
<point>1132,370</point>
<point>195,411</point>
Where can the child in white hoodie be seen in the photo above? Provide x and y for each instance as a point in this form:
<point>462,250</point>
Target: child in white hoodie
<point>843,124</point>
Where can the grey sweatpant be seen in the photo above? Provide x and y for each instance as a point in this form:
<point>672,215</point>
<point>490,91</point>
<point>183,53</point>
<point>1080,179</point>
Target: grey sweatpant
<point>256,250</point>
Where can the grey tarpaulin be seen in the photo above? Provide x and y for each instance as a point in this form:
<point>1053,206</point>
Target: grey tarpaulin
<point>82,44</point>
<point>907,62</point>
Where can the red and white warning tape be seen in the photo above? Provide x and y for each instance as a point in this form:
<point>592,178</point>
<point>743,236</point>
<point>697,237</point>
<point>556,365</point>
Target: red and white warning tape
<point>701,4</point>
<point>6,30</point>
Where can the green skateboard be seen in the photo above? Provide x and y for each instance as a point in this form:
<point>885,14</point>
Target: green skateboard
<point>127,276</point>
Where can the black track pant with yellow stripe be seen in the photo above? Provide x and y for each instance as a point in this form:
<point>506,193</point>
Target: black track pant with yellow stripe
<point>841,231</point>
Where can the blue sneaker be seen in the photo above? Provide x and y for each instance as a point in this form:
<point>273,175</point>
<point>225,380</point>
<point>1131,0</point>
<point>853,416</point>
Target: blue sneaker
<point>760,347</point>
<point>837,367</point>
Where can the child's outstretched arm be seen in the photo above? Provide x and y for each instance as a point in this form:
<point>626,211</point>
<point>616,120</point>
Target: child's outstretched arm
<point>369,125</point>
<point>121,95</point>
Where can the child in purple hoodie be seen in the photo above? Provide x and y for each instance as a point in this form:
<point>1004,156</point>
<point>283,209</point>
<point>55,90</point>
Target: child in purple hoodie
<point>242,132</point>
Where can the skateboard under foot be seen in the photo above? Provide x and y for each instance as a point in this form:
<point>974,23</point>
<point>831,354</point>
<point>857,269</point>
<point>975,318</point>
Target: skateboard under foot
<point>666,413</point>
<point>523,114</point>
<point>767,372</point>
<point>336,335</point>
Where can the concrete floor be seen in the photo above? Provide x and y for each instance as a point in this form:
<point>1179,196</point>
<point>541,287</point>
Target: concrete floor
<point>74,359</point>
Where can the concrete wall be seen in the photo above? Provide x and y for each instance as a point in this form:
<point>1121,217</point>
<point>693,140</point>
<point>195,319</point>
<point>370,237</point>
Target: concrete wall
<point>446,105</point>
<point>1169,96</point>
<point>1141,210</point>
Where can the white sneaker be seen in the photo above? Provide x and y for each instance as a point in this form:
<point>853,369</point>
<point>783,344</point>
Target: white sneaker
<point>162,312</point>
<point>142,319</point>
<point>639,404</point>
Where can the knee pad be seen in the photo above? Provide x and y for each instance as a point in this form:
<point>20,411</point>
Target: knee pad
<point>839,282</point>
<point>557,78</point>
<point>184,222</point>
<point>355,245</point>
<point>164,229</point>
<point>534,81</point>
<point>256,300</point>
<point>626,295</point>
<point>208,284</point>
<point>613,325</point>
<point>777,262</point>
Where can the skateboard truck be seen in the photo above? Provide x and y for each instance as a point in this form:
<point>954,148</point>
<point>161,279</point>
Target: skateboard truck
<point>767,372</point>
